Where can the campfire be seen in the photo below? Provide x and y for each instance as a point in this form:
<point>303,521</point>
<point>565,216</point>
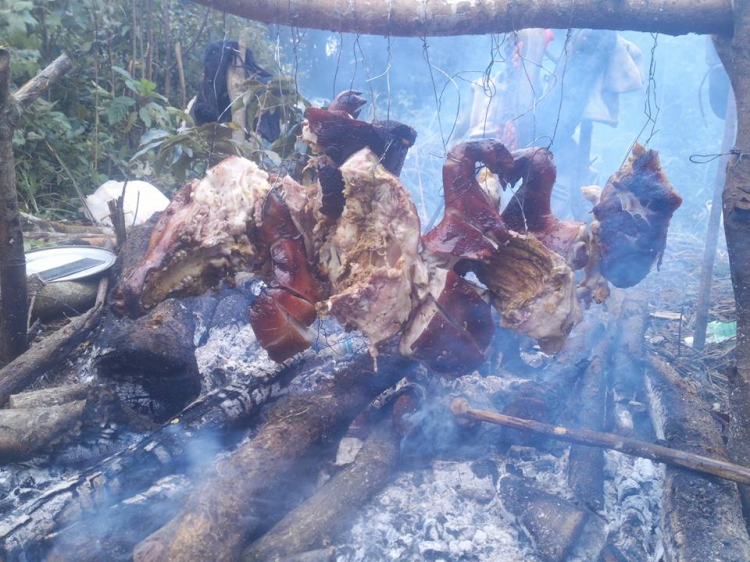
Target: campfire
<point>296,371</point>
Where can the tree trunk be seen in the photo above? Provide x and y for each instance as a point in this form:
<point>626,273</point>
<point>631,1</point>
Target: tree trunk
<point>418,18</point>
<point>735,54</point>
<point>12,258</point>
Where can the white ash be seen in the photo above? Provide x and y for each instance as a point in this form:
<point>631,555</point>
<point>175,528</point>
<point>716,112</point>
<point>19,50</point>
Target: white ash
<point>231,353</point>
<point>633,490</point>
<point>444,513</point>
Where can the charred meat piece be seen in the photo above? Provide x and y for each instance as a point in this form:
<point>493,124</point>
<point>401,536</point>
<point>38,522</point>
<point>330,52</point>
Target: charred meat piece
<point>529,210</point>
<point>371,256</point>
<point>337,135</point>
<point>452,328</point>
<point>633,216</point>
<point>204,235</point>
<point>531,286</point>
<point>281,315</point>
<point>471,227</point>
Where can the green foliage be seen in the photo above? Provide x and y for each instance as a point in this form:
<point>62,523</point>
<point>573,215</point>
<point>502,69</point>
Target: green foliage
<point>118,112</point>
<point>188,151</point>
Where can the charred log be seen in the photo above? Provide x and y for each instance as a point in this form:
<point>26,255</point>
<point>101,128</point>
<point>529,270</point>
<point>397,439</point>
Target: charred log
<point>152,356</point>
<point>553,524</point>
<point>701,515</point>
<point>332,508</point>
<point>233,502</point>
<point>133,470</point>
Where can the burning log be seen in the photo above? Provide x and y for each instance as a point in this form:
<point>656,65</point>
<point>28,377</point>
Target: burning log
<point>701,514</point>
<point>332,508</point>
<point>586,464</point>
<point>232,503</point>
<point>151,358</point>
<point>545,400</point>
<point>135,469</point>
<point>26,368</point>
<point>627,445</point>
<point>111,534</point>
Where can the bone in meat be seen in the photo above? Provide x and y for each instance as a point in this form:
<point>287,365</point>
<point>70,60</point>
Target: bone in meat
<point>633,216</point>
<point>204,234</point>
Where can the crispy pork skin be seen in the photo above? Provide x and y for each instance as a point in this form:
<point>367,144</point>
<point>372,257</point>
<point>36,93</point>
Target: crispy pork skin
<point>205,234</point>
<point>530,209</point>
<point>371,255</point>
<point>452,327</point>
<point>471,227</point>
<point>282,314</point>
<point>633,216</point>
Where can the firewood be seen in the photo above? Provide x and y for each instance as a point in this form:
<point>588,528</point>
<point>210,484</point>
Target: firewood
<point>39,429</point>
<point>26,368</point>
<point>627,445</point>
<point>553,523</point>
<point>332,508</point>
<point>586,464</point>
<point>51,396</point>
<point>110,534</point>
<point>231,504</point>
<point>134,469</point>
<point>701,515</point>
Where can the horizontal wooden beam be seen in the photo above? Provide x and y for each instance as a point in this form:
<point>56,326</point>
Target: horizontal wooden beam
<point>417,18</point>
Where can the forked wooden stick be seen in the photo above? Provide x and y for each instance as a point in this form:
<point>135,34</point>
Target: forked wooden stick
<point>460,407</point>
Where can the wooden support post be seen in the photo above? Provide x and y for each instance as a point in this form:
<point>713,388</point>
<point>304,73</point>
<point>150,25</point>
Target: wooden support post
<point>712,232</point>
<point>13,292</point>
<point>734,52</point>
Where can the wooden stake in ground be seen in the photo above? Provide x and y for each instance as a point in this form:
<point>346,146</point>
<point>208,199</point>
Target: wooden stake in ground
<point>712,232</point>
<point>13,296</point>
<point>736,473</point>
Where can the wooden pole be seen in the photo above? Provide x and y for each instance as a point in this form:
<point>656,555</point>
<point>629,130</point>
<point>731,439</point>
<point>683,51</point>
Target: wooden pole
<point>712,232</point>
<point>12,259</point>
<point>13,291</point>
<point>734,53</point>
<point>629,446</point>
<point>418,18</point>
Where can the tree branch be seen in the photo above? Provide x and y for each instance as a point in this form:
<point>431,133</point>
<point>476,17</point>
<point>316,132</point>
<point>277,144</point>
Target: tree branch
<point>40,83</point>
<point>417,18</point>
